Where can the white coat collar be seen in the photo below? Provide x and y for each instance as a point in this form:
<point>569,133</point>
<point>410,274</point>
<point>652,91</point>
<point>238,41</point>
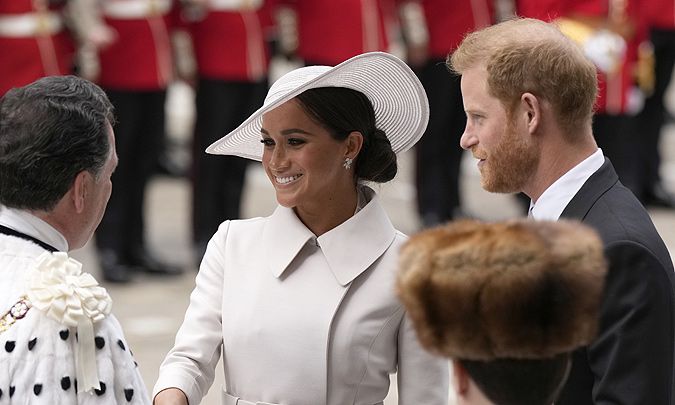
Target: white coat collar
<point>350,248</point>
<point>24,221</point>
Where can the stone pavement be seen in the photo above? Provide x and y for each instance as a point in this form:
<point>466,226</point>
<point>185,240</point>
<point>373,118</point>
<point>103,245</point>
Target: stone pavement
<point>151,309</point>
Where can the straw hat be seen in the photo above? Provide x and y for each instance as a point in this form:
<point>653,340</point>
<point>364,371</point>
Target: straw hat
<point>400,102</point>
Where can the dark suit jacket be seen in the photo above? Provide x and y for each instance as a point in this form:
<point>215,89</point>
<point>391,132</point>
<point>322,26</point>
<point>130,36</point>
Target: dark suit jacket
<point>631,360</point>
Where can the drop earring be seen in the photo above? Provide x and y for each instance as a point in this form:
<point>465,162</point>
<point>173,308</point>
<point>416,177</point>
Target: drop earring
<point>348,163</point>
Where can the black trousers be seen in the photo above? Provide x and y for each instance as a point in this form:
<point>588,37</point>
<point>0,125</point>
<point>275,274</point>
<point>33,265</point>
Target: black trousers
<point>218,181</point>
<point>139,132</point>
<point>652,117</point>
<point>438,152</point>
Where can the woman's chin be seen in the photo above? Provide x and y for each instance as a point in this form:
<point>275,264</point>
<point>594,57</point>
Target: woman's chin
<point>285,200</point>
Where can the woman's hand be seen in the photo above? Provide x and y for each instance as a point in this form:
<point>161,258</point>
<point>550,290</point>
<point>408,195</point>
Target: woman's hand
<point>171,396</point>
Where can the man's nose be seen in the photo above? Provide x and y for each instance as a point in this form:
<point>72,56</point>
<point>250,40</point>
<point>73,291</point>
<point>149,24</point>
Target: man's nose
<point>468,140</point>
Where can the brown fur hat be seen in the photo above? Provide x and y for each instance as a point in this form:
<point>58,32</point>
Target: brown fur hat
<point>518,289</point>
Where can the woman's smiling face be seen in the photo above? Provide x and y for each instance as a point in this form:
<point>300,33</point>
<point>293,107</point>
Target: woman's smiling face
<point>301,158</point>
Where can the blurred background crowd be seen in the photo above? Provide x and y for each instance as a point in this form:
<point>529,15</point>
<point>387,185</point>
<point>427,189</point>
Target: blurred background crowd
<point>222,55</point>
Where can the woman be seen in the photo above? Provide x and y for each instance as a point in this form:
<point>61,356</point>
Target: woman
<point>302,302</point>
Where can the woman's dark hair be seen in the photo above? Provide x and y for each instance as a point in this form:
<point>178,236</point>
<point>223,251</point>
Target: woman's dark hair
<point>341,111</point>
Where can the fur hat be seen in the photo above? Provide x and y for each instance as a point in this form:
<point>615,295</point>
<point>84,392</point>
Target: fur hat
<point>519,289</point>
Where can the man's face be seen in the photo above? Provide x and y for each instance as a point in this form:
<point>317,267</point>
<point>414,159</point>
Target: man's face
<point>507,155</point>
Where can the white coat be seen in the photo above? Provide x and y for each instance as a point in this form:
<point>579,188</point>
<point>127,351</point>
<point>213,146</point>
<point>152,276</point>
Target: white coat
<point>37,353</point>
<point>303,320</point>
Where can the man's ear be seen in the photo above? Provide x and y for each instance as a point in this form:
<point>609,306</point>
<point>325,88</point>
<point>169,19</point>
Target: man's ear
<point>80,189</point>
<point>461,378</point>
<point>533,110</point>
<point>354,143</point>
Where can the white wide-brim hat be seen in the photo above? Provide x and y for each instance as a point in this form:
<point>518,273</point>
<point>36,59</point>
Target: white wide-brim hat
<point>400,102</point>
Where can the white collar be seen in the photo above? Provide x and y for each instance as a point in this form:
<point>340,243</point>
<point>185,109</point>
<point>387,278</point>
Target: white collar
<point>556,197</point>
<point>23,221</point>
<point>350,248</point>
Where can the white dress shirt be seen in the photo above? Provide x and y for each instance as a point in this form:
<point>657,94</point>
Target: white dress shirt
<point>555,198</point>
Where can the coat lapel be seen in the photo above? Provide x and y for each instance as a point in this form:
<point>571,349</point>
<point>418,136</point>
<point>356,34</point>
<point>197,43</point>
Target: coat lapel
<point>349,249</point>
<point>596,185</point>
<point>284,235</point>
<point>356,244</point>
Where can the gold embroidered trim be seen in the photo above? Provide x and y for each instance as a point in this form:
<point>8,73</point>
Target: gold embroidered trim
<point>16,312</point>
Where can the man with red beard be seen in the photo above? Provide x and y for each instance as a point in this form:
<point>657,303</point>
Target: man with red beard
<point>528,94</point>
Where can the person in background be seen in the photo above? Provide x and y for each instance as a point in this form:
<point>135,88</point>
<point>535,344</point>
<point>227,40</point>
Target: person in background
<point>507,302</point>
<point>60,343</point>
<point>301,303</point>
<point>41,38</point>
<point>432,28</point>
<point>135,70</point>
<point>232,59</point>
<point>329,32</point>
<point>529,93</point>
<point>660,16</point>
<point>34,42</point>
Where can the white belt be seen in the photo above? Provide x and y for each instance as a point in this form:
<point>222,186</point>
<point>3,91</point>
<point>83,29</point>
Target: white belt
<point>30,24</point>
<point>234,5</point>
<point>134,9</point>
<point>228,399</point>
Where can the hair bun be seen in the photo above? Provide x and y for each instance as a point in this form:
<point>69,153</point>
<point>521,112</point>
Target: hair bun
<point>377,160</point>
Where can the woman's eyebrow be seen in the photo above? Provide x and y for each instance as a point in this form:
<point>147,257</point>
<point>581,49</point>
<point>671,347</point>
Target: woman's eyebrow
<point>288,131</point>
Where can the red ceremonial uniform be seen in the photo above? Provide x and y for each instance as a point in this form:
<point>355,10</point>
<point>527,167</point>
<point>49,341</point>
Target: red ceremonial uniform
<point>545,10</point>
<point>614,89</point>
<point>449,21</point>
<point>33,42</point>
<point>660,13</point>
<point>140,57</point>
<point>330,32</point>
<point>229,42</point>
